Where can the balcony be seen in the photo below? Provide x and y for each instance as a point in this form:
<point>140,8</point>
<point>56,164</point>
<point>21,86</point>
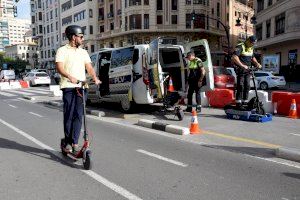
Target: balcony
<point>101,17</point>
<point>101,1</point>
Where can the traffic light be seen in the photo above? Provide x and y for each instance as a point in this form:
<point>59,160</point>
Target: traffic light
<point>15,11</point>
<point>193,15</point>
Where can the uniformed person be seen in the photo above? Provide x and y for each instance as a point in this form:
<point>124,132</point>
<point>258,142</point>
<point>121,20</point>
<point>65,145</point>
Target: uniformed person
<point>243,58</point>
<point>196,79</point>
<point>71,62</point>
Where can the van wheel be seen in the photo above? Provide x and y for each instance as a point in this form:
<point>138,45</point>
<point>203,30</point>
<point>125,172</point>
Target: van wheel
<point>127,106</point>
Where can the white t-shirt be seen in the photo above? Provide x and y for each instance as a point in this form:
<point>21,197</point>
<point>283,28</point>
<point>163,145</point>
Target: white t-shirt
<point>74,60</point>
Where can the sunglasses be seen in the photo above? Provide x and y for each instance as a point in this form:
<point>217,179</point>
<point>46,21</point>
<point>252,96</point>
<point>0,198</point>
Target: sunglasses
<point>80,36</point>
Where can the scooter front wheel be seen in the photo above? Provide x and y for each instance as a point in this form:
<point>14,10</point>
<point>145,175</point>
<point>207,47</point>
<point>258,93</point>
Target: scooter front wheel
<point>87,163</point>
<point>179,113</point>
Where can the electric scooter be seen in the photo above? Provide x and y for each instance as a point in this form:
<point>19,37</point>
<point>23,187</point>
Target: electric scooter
<point>170,100</point>
<point>85,152</point>
<point>253,111</point>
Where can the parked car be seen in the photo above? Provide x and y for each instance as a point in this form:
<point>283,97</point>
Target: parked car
<point>223,78</point>
<point>268,80</point>
<point>37,78</point>
<point>8,75</point>
<point>232,72</point>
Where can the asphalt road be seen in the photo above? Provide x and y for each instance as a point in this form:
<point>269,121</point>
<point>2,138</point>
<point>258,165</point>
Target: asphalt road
<point>128,163</point>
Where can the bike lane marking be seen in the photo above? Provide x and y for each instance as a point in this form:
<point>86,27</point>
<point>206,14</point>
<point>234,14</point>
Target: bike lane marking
<point>118,189</point>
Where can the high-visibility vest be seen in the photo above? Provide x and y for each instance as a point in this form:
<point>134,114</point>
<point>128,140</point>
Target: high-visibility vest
<point>246,51</point>
<point>194,64</point>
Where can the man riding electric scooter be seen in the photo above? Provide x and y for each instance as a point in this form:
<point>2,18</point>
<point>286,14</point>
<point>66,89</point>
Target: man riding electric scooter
<point>71,63</point>
<point>243,58</point>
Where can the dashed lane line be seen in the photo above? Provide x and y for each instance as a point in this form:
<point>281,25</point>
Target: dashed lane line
<point>118,189</point>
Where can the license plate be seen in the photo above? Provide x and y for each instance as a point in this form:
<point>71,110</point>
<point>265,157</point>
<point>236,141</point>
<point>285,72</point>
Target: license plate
<point>229,85</point>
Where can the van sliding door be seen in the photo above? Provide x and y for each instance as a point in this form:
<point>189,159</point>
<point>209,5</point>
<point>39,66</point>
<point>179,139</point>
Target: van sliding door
<point>120,72</point>
<point>201,50</point>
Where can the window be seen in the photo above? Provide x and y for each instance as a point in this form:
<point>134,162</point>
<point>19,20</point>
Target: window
<point>77,2</point>
<point>146,21</point>
<point>135,22</point>
<point>91,13</point>
<point>92,48</point>
<point>218,9</point>
<point>270,2</point>
<point>159,5</point>
<point>159,19</point>
<point>188,2</point>
<point>279,23</point>
<point>174,4</point>
<point>268,28</point>
<point>91,30</point>
<point>126,55</point>
<point>188,21</point>
<point>135,2</point>
<point>102,29</point>
<point>112,26</point>
<point>259,32</point>
<point>146,2</point>
<point>260,5</point>
<point>174,19</point>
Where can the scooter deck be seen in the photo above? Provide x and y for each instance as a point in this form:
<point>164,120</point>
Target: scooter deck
<point>247,116</point>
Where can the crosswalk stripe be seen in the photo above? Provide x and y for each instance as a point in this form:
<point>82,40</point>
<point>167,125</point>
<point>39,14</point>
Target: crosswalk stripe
<point>7,94</point>
<point>41,89</point>
<point>21,92</point>
<point>38,92</point>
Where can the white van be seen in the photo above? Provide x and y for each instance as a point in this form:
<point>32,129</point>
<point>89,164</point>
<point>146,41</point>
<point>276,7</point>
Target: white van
<point>135,74</point>
<point>8,75</point>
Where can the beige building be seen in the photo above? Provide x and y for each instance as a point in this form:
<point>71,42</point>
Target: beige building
<point>25,51</point>
<point>278,31</point>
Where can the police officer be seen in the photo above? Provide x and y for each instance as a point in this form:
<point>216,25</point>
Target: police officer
<point>196,79</point>
<point>71,63</point>
<point>242,58</point>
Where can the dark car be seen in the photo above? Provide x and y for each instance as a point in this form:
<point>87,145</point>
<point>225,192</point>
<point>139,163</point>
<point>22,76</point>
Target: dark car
<point>223,78</point>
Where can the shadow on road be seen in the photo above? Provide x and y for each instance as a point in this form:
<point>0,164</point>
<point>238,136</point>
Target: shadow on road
<point>292,175</point>
<point>253,151</point>
<point>42,153</point>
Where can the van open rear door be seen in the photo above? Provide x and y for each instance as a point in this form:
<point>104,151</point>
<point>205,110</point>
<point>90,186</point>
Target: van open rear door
<point>155,71</point>
<point>201,50</point>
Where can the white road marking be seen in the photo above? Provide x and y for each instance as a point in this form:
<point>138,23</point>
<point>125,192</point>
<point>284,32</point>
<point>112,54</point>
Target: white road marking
<point>12,106</point>
<point>162,158</point>
<point>183,139</point>
<point>294,134</point>
<point>35,114</point>
<point>118,189</point>
<point>7,94</point>
<point>39,91</point>
<point>21,92</point>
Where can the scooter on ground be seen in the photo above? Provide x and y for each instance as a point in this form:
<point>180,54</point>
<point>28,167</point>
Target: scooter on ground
<point>171,99</point>
<point>85,152</point>
<point>253,111</point>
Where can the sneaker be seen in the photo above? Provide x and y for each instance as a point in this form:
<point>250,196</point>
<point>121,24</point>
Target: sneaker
<point>188,109</point>
<point>68,148</point>
<point>75,149</point>
<point>198,109</point>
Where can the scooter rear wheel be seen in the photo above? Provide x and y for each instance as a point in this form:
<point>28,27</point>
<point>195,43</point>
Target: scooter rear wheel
<point>179,113</point>
<point>87,163</point>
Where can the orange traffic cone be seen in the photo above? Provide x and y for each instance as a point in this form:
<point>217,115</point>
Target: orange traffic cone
<point>194,128</point>
<point>293,110</point>
<point>171,87</point>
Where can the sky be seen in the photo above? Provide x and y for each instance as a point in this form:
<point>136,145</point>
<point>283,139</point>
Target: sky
<point>23,7</point>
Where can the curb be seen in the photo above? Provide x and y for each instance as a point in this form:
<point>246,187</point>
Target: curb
<point>178,130</point>
<point>96,113</point>
<point>288,153</point>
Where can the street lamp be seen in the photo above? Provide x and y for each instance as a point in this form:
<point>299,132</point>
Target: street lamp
<point>226,28</point>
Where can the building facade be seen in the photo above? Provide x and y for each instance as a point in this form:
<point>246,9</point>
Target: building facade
<point>4,39</point>
<point>278,32</point>
<point>25,51</point>
<point>6,10</point>
<point>17,28</point>
<point>45,19</point>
